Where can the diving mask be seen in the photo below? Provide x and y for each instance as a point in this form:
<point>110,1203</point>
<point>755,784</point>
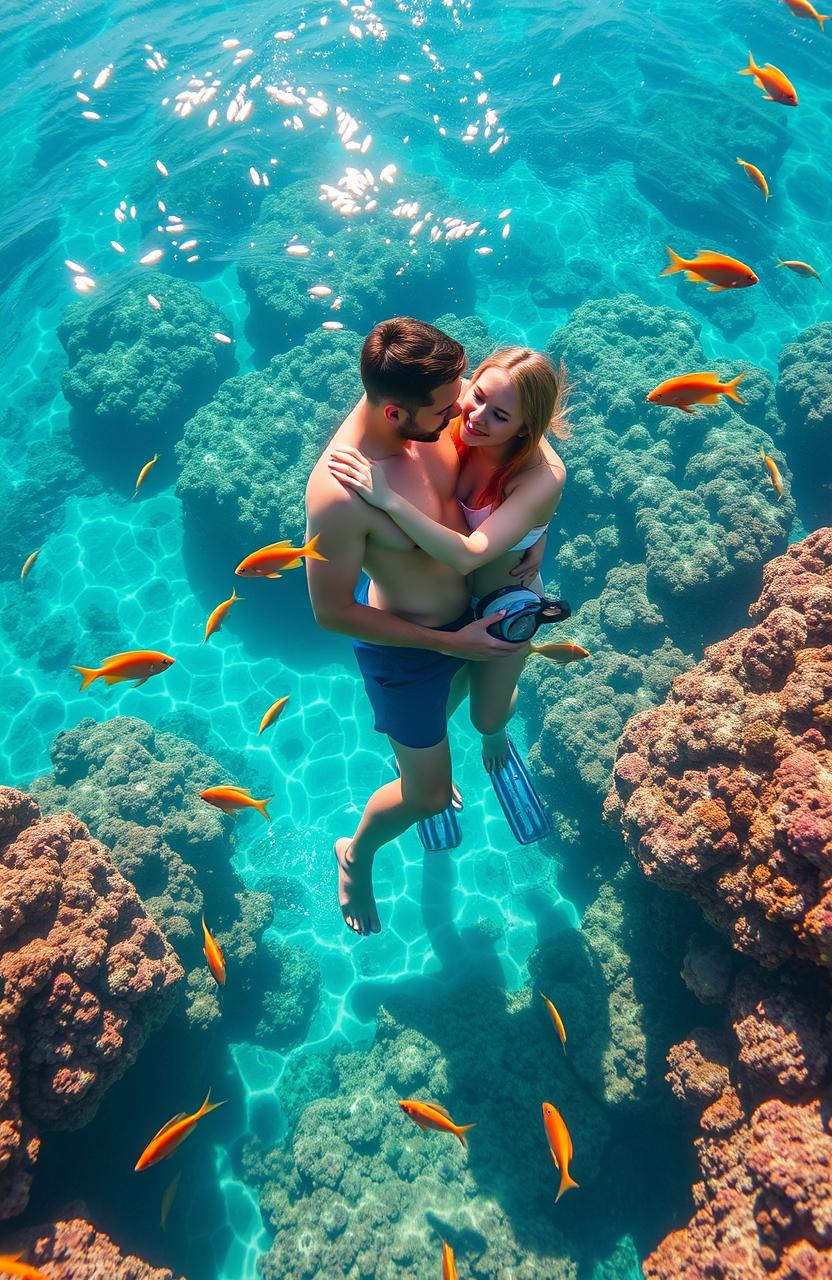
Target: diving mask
<point>525,612</point>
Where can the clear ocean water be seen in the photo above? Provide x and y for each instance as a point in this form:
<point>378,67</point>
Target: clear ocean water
<point>618,125</point>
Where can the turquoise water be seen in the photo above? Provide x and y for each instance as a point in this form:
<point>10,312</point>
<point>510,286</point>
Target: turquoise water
<point>633,147</point>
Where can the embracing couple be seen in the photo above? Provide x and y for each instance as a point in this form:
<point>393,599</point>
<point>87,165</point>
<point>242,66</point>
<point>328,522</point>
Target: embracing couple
<point>440,489</point>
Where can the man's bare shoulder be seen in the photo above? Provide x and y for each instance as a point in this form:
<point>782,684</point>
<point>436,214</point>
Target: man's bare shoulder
<point>329,504</point>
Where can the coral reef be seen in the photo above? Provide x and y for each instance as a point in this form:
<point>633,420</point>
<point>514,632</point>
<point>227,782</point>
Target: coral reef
<point>138,791</point>
<point>666,524</point>
<point>135,374</point>
<point>804,398</point>
<point>578,714</point>
<point>723,791</point>
<point>291,1000</point>
<point>575,714</point>
<point>687,496</point>
<point>783,1043</point>
<point>723,794</point>
<point>763,1207</point>
<point>248,482</point>
<point>205,191</point>
<point>356,1189</point>
<point>74,1250</point>
<point>85,976</point>
<point>374,276</point>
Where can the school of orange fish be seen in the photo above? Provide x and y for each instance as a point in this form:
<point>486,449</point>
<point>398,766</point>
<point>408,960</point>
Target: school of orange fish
<point>719,272</point>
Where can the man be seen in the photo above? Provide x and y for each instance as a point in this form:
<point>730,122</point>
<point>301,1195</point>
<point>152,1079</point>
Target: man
<point>411,623</point>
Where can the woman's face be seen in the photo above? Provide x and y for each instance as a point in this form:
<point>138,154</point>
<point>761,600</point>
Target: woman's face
<point>491,413</point>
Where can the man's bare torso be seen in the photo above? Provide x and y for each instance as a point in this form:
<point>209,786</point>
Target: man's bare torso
<point>405,580</point>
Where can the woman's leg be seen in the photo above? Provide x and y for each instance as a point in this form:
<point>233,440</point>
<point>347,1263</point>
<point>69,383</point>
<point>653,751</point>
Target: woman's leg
<point>493,698</point>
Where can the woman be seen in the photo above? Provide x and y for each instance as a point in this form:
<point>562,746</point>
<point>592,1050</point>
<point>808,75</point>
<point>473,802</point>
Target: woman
<point>509,485</point>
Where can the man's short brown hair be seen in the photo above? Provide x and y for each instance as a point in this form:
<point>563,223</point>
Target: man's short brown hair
<point>403,361</point>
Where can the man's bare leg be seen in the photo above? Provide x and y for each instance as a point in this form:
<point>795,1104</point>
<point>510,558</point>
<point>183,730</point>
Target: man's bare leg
<point>423,788</point>
<point>460,686</point>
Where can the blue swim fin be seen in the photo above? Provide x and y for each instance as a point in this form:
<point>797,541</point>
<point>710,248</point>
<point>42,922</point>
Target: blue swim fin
<point>441,831</point>
<point>519,801</point>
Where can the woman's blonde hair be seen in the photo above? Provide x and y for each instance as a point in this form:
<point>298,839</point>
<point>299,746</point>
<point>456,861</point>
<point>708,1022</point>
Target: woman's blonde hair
<point>543,392</point>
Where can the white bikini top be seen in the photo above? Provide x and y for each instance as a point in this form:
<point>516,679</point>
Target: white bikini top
<point>474,517</point>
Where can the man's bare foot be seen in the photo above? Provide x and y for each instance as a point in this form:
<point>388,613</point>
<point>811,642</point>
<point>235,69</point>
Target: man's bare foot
<point>355,892</point>
<point>494,750</point>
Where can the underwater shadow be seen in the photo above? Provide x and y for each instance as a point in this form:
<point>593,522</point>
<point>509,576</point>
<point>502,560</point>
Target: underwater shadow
<point>93,1166</point>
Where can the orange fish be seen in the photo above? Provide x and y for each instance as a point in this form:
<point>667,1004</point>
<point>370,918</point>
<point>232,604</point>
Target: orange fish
<point>560,1145</point>
<point>556,1019</point>
<point>778,87</point>
<point>694,388</point>
<point>560,651</point>
<point>137,664</point>
<point>168,1198</point>
<point>716,270</point>
<point>217,618</point>
<point>213,954</point>
<point>755,175</point>
<point>171,1134</point>
<point>448,1262</point>
<point>230,798</point>
<point>144,472</point>
<point>802,9</point>
<point>266,562</point>
<point>10,1265</point>
<point>272,714</point>
<point>799,268</point>
<point>774,472</point>
<point>429,1115</point>
<point>30,560</point>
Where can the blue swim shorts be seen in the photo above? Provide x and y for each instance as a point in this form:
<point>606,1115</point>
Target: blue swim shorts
<point>408,688</point>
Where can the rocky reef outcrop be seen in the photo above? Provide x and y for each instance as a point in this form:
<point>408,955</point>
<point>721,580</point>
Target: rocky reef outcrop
<point>763,1205</point>
<point>615,985</point>
<point>138,791</point>
<point>136,373</point>
<point>724,793</point>
<point>246,485</point>
<point>75,1250</point>
<point>85,976</point>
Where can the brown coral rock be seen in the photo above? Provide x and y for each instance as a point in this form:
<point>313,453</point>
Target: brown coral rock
<point>84,977</point>
<point>698,1069</point>
<point>725,791</point>
<point>783,1044</point>
<point>764,1205</point>
<point>74,1250</point>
